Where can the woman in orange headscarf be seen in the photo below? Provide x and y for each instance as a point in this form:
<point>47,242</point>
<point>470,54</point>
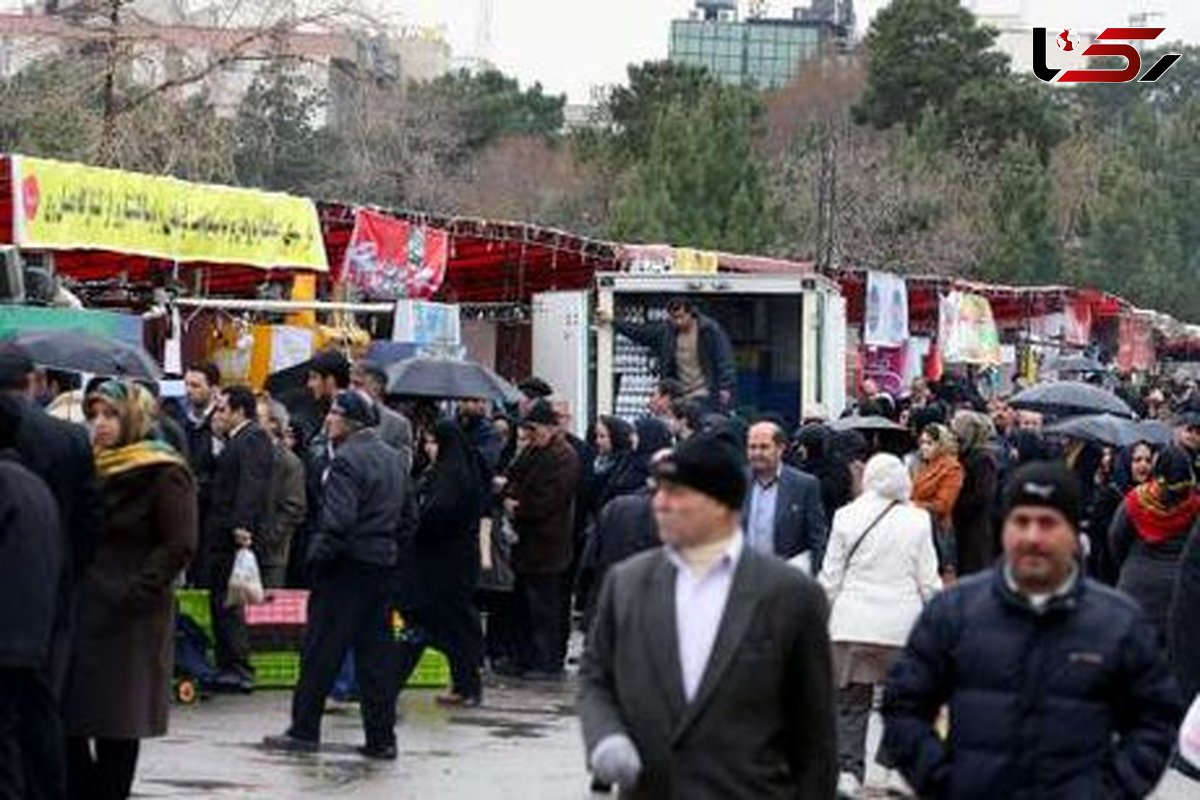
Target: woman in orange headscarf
<point>936,486</point>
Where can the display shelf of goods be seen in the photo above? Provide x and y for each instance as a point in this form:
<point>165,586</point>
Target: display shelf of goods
<point>634,363</point>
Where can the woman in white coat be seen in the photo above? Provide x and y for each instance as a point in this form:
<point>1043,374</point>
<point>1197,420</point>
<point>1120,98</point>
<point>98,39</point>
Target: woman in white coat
<point>880,569</point>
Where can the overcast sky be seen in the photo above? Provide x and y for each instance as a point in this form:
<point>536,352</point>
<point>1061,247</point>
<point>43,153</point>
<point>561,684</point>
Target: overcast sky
<point>572,45</point>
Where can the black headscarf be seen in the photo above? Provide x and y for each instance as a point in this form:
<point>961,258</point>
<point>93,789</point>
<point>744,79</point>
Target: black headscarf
<point>1029,446</point>
<point>452,480</point>
<point>620,471</point>
<point>815,439</point>
<point>850,446</point>
<point>653,435</point>
<point>620,435</point>
<point>921,418</point>
<point>730,430</point>
<point>824,462</point>
<point>1173,470</point>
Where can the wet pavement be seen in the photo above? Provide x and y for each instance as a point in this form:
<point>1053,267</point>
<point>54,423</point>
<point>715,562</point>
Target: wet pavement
<point>523,744</point>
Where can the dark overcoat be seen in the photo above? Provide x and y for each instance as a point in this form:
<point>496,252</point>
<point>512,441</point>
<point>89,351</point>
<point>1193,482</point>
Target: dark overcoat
<point>120,680</point>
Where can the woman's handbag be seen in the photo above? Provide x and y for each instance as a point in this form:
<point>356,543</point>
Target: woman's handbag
<point>495,554</point>
<point>863,537</point>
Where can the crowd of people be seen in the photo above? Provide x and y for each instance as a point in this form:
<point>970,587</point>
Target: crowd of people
<point>1019,605</point>
<point>1037,586</point>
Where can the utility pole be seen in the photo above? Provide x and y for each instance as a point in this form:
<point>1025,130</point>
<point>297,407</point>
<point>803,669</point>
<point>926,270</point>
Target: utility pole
<point>827,196</point>
<point>112,58</point>
<point>484,23</point>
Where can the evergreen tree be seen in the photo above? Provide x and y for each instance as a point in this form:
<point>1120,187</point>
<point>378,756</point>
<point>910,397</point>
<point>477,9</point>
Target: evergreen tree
<point>921,54</point>
<point>1021,245</point>
<point>494,105</point>
<point>702,183</point>
<point>277,142</point>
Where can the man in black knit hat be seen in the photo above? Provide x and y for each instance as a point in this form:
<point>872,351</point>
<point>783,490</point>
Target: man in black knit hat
<point>367,512</point>
<point>707,672</point>
<point>1057,686</point>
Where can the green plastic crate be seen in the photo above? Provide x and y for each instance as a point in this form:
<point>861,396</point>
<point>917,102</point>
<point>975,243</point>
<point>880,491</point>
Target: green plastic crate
<point>193,603</point>
<point>278,670</point>
<point>281,670</point>
<point>432,672</point>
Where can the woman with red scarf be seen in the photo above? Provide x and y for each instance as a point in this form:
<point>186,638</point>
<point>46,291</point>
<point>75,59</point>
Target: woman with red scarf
<point>1150,530</point>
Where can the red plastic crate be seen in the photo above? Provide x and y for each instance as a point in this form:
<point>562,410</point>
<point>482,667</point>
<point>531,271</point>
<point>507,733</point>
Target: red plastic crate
<point>280,607</point>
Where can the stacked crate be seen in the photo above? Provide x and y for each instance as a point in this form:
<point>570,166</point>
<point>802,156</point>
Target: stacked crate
<point>634,363</point>
<point>276,628</point>
<point>276,632</point>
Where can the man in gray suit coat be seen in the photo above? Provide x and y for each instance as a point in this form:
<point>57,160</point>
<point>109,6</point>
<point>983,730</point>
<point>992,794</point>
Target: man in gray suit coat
<point>707,672</point>
<point>783,514</point>
<point>394,428</point>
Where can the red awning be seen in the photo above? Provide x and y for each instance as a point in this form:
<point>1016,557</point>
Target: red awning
<point>1011,305</point>
<point>492,262</point>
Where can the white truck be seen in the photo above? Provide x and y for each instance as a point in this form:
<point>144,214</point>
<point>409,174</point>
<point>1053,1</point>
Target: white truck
<point>788,332</point>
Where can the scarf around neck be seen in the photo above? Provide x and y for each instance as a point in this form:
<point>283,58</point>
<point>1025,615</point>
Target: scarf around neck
<point>930,475</point>
<point>1155,521</point>
<point>139,455</point>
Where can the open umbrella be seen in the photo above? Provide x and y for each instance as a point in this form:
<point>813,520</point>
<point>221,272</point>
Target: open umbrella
<point>1071,399</point>
<point>881,433</point>
<point>85,351</point>
<point>1113,431</point>
<point>448,378</point>
<point>293,379</point>
<point>1077,364</point>
<point>865,424</point>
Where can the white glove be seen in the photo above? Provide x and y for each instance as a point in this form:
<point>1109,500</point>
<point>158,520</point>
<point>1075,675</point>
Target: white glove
<point>615,760</point>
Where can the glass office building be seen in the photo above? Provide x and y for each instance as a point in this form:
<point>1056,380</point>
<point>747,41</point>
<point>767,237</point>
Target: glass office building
<point>764,53</point>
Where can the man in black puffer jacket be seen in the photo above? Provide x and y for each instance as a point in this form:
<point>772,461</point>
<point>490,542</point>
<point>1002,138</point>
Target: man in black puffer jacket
<point>32,558</point>
<point>367,512</point>
<point>1056,685</point>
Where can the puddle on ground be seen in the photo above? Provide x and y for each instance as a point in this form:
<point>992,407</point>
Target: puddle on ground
<point>200,785</point>
<point>427,754</point>
<point>330,767</point>
<point>503,728</point>
<point>340,772</point>
<point>518,711</point>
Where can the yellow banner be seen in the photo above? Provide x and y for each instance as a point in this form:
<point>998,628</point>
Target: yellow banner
<point>61,206</point>
<point>695,262</point>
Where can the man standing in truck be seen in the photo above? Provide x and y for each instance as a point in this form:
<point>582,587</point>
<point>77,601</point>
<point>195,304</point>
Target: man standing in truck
<point>691,348</point>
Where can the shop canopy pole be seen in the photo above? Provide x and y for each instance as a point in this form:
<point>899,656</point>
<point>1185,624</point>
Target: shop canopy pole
<point>282,306</point>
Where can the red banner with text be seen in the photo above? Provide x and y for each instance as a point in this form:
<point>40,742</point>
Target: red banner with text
<point>394,259</point>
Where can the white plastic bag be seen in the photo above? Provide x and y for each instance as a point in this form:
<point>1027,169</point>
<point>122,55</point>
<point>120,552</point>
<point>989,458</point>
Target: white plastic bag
<point>1189,736</point>
<point>803,562</point>
<point>245,582</point>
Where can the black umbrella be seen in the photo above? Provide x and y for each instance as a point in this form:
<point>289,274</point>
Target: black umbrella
<point>1077,364</point>
<point>881,433</point>
<point>448,378</point>
<point>293,380</point>
<point>869,423</point>
<point>85,351</point>
<point>1071,399</point>
<point>1114,431</point>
